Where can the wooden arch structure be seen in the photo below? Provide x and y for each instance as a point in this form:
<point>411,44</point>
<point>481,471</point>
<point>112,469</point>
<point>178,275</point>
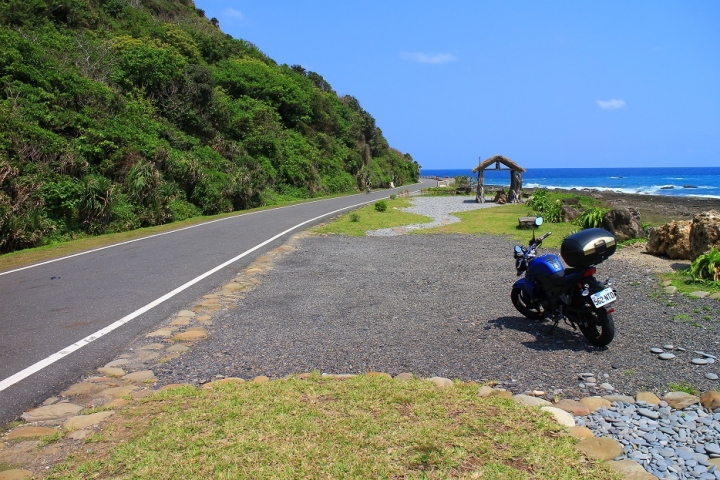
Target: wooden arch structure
<point>516,172</point>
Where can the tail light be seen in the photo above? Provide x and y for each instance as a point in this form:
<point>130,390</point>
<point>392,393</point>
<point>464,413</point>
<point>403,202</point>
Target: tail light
<point>590,272</point>
<point>610,310</point>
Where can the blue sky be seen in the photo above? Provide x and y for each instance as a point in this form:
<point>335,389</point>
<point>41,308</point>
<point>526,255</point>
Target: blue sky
<point>548,84</point>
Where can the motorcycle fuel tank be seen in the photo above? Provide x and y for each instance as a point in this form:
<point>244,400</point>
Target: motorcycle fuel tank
<point>548,266</point>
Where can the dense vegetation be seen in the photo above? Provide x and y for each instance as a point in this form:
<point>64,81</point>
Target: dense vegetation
<point>119,114</point>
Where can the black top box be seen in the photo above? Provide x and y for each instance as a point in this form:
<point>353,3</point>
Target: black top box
<point>588,247</point>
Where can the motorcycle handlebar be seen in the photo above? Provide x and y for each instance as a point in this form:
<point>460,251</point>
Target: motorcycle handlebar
<point>544,236</point>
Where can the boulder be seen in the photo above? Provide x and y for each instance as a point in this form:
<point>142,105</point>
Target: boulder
<point>671,239</point>
<point>704,233</point>
<point>568,213</point>
<point>624,223</point>
<point>500,198</point>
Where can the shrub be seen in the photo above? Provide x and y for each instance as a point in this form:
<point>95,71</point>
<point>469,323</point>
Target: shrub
<point>706,266</point>
<point>544,206</point>
<point>393,196</point>
<point>354,217</point>
<point>592,218</point>
<point>381,206</point>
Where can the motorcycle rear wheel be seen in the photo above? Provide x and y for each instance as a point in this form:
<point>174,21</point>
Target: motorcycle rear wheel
<point>533,312</point>
<point>598,327</point>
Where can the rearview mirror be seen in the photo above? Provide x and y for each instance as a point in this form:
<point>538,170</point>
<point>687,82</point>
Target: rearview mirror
<point>538,221</point>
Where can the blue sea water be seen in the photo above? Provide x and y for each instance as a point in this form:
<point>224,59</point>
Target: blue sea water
<point>671,181</point>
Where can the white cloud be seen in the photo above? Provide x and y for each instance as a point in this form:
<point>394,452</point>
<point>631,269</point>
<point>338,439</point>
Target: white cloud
<point>434,58</point>
<point>611,104</point>
<point>232,13</point>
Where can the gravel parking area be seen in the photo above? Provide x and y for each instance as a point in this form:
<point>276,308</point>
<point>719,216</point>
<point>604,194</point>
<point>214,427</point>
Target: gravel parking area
<point>438,305</point>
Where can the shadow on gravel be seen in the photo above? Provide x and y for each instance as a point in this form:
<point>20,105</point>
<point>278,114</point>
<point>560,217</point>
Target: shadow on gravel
<point>547,337</point>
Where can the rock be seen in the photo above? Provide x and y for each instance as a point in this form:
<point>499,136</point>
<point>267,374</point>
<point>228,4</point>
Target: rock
<point>30,432</point>
<point>656,350</point>
<point>82,388</point>
<point>485,391</point>
<point>704,233</point>
<point>630,470</point>
<point>78,434</point>
<point>580,433</point>
<point>180,322</point>
<point>561,416</point>
<point>191,335</point>
<point>16,474</point>
<point>573,406</point>
<point>58,411</point>
<point>262,379</point>
<point>666,356</point>
<point>715,296</point>
<point>217,383</point>
<point>178,348</point>
<point>670,290</point>
<point>118,392</point>
<point>530,401</point>
<point>404,376</point>
<point>112,371</point>
<point>699,361</point>
<point>595,403</point>
<point>117,363</point>
<point>83,421</point>
<point>140,376</point>
<point>624,223</point>
<point>606,386</point>
<point>601,448</point>
<point>671,239</point>
<point>500,198</point>
<point>441,382</point>
<point>710,400</point>
<point>698,294</point>
<point>568,213</point>
<point>186,313</point>
<point>647,397</point>
<point>680,400</point>
<point>619,398</point>
<point>162,332</point>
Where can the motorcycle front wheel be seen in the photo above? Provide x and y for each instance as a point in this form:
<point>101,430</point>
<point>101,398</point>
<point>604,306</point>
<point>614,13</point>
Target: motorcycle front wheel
<point>598,327</point>
<point>533,312</point>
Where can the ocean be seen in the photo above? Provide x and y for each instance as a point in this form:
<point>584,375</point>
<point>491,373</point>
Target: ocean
<point>670,181</point>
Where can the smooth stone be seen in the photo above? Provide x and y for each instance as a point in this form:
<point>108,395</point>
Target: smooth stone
<point>580,433</point>
<point>699,361</point>
<point>619,398</point>
<point>656,350</point>
<point>117,363</point>
<point>180,322</point>
<point>404,376</point>
<point>186,313</point>
<point>16,474</point>
<point>606,386</point>
<point>670,289</point>
<point>112,371</point>
<point>58,411</point>
<point>712,448</point>
<point>647,397</point>
<point>118,392</point>
<point>191,335</point>
<point>666,356</point>
<point>711,376</point>
<point>680,400</point>
<point>595,403</point>
<point>82,388</point>
<point>530,401</point>
<point>83,421</point>
<point>710,400</point>
<point>441,381</point>
<point>600,448</point>
<point>29,432</point>
<point>140,376</point>
<point>561,416</point>
<point>698,294</point>
<point>161,332</point>
<point>646,412</point>
<point>178,348</point>
<point>573,406</point>
<point>668,346</point>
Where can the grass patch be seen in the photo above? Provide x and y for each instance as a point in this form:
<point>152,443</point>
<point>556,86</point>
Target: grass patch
<point>687,284</point>
<point>503,220</point>
<point>682,387</point>
<point>358,222</point>
<point>363,427</point>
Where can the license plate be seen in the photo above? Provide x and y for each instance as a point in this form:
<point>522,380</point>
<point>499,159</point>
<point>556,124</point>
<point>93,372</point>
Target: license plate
<point>603,297</point>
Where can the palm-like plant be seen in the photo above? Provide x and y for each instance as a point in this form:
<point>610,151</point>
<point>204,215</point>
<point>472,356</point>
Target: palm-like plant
<point>706,266</point>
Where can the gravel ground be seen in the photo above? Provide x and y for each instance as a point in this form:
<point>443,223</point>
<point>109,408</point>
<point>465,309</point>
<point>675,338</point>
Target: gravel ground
<point>438,305</point>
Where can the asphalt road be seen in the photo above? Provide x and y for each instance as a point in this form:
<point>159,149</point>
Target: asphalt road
<point>48,308</point>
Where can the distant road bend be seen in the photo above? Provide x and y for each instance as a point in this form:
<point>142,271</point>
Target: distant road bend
<point>63,318</point>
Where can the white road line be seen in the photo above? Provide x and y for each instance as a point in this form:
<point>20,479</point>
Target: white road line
<point>23,374</point>
<point>153,236</point>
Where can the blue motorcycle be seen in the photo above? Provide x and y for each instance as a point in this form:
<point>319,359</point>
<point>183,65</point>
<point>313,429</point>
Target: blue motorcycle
<point>548,290</point>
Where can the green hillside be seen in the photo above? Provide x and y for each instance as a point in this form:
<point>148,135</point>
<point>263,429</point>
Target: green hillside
<point>120,114</point>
